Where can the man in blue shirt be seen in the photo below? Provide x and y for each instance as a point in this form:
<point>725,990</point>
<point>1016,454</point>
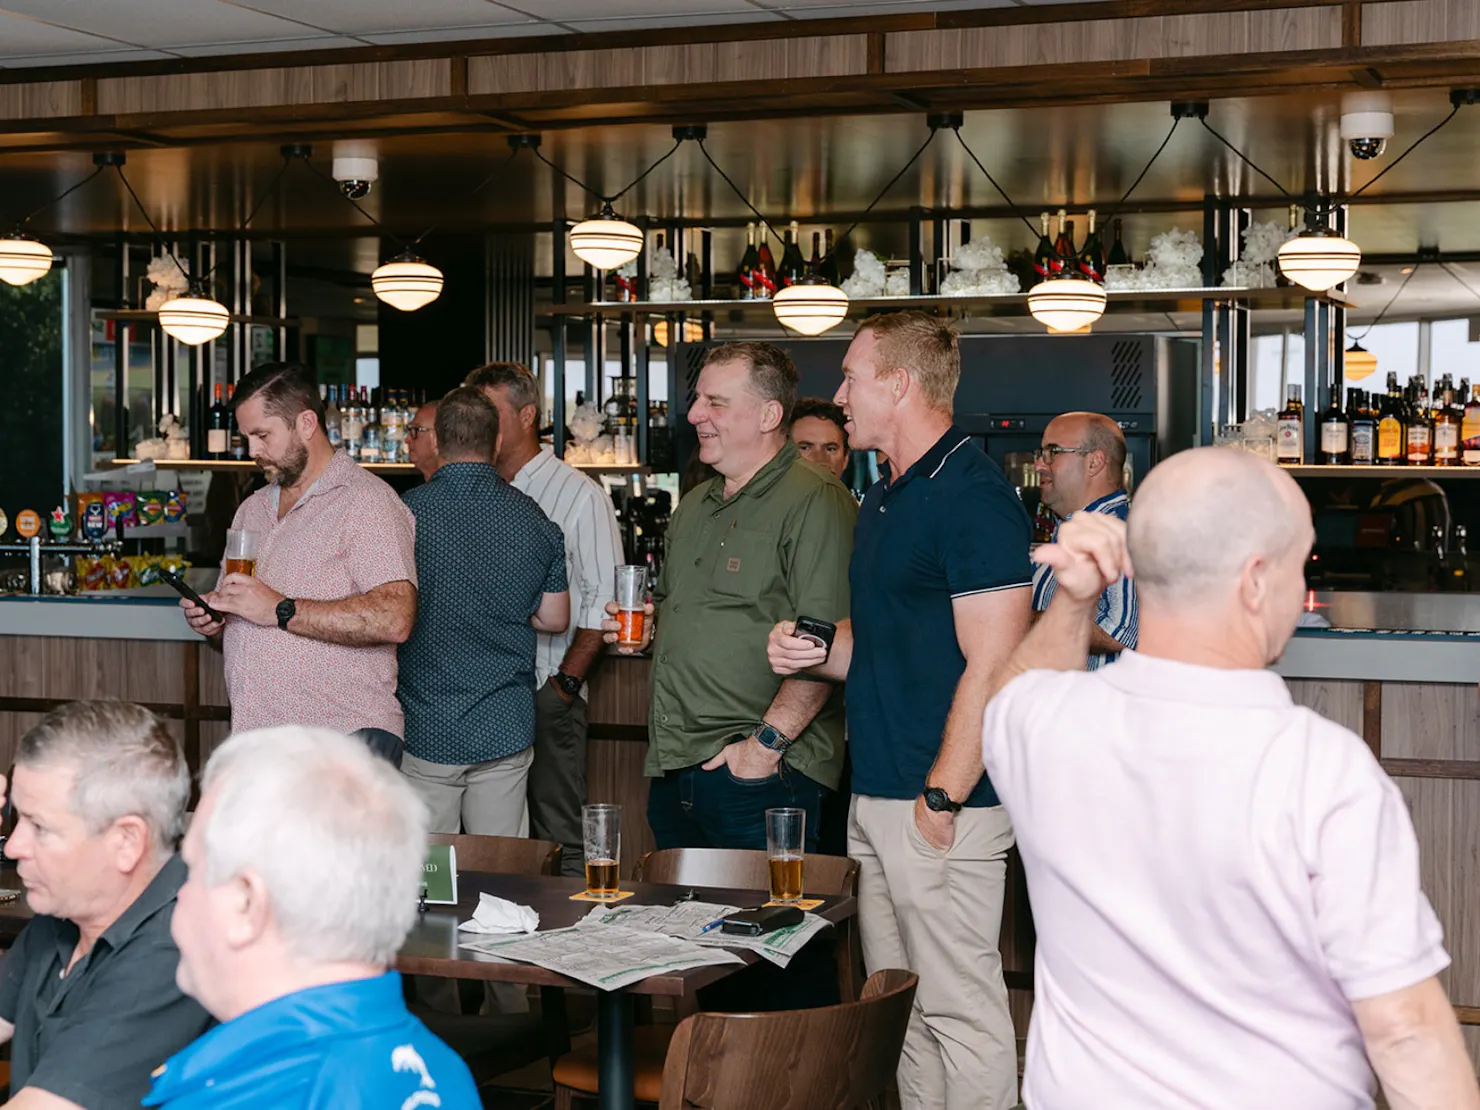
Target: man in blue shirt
<point>491,568</point>
<point>1081,468</point>
<point>305,858</point>
<point>940,598</point>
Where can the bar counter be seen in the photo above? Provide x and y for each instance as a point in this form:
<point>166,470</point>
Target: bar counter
<point>1411,694</point>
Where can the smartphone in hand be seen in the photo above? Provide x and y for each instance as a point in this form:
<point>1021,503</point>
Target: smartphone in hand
<point>819,632</point>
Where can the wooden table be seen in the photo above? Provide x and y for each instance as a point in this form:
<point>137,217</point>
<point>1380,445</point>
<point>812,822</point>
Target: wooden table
<point>432,949</point>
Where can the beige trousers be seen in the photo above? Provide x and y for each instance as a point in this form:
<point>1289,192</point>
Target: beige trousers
<point>486,799</point>
<point>939,915</point>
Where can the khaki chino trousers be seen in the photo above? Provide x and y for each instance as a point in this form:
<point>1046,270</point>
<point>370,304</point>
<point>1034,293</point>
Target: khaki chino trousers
<point>939,914</point>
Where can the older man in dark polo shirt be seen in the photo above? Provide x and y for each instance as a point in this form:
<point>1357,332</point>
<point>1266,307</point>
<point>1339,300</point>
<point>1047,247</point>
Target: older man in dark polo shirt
<point>941,588</point>
<point>88,999</point>
<point>767,539</point>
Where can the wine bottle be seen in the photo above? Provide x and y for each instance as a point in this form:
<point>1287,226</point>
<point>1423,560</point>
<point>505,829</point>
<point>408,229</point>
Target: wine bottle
<point>765,268</point>
<point>218,432</point>
<point>235,438</point>
<point>1092,257</point>
<point>1063,246</point>
<point>1043,255</point>
<point>1335,433</point>
<point>748,262</point>
<point>829,269</point>
<point>793,266</point>
<point>1118,256</point>
<point>814,264</point>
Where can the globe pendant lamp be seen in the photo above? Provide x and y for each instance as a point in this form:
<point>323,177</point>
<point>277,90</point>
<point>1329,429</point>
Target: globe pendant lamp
<point>194,318</point>
<point>1066,303</point>
<point>606,242</point>
<point>407,282</point>
<point>23,260</point>
<point>1319,259</point>
<point>811,306</point>
<point>1359,363</point>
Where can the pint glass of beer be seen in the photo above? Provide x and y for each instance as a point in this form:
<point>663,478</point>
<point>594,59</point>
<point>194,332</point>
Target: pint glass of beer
<point>241,552</point>
<point>601,828</point>
<point>631,600</point>
<point>785,833</point>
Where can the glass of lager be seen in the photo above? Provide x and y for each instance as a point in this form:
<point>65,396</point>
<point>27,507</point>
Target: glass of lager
<point>785,834</point>
<point>601,828</point>
<point>631,604</point>
<point>241,552</point>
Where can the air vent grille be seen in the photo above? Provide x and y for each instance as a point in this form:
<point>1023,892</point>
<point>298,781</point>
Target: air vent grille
<point>1127,375</point>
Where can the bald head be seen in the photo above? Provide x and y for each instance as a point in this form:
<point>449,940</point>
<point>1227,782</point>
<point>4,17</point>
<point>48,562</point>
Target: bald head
<point>1201,516</point>
<point>1089,465</point>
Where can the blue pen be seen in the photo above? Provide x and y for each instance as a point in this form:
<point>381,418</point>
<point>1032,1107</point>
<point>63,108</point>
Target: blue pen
<point>712,925</point>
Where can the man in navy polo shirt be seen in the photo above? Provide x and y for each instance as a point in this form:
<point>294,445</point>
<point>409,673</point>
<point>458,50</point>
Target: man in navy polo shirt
<point>305,860</point>
<point>941,594</point>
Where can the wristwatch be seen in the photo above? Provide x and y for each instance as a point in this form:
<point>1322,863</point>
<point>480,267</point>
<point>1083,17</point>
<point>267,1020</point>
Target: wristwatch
<point>569,684</point>
<point>286,611</point>
<point>939,801</point>
<point>772,737</point>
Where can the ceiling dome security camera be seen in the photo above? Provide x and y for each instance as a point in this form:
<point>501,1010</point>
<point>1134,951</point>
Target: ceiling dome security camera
<point>355,174</point>
<point>1366,123</point>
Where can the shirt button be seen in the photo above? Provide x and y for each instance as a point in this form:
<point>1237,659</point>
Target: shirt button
<point>662,659</point>
<point>676,607</point>
<point>663,717</point>
<point>698,561</point>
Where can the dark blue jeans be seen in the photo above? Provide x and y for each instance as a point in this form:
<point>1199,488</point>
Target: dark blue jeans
<point>692,808</point>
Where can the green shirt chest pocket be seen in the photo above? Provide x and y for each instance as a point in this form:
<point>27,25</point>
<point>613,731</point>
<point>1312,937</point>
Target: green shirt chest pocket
<point>747,565</point>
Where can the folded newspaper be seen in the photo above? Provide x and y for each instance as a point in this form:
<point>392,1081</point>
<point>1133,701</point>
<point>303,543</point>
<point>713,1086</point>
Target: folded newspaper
<point>607,958</point>
<point>689,921</point>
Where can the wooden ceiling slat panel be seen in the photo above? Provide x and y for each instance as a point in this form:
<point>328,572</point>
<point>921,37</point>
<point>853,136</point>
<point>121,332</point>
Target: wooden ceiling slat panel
<point>1052,44</point>
<point>696,63</point>
<point>43,100</point>
<point>261,88</point>
<point>1410,21</point>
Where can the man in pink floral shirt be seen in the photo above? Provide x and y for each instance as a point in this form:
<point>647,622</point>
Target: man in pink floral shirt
<point>310,638</point>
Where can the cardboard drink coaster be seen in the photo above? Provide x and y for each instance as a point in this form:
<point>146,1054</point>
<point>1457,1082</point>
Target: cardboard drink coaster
<point>804,905</point>
<point>617,897</point>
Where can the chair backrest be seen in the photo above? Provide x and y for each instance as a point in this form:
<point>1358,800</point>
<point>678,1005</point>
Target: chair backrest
<point>502,855</point>
<point>746,870</point>
<point>836,1056</point>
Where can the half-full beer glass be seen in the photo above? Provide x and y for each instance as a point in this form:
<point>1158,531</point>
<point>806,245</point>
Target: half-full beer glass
<point>631,605</point>
<point>601,828</point>
<point>785,834</point>
<point>241,552</point>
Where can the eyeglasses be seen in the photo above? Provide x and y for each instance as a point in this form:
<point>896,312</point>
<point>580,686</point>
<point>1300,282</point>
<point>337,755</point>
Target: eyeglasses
<point>1050,451</point>
<point>414,430</point>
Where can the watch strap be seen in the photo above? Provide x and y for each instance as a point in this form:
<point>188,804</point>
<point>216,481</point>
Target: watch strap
<point>286,611</point>
<point>567,682</point>
<point>772,737</point>
<point>937,800</point>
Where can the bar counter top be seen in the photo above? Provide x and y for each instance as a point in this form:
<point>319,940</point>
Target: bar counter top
<point>99,616</point>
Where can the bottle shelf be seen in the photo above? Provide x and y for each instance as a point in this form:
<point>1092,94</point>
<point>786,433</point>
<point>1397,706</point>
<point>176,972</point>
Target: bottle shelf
<point>230,465</point>
<point>1320,470</point>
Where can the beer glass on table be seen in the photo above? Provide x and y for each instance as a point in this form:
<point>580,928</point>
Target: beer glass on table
<point>241,552</point>
<point>785,834</point>
<point>631,603</point>
<point>601,829</point>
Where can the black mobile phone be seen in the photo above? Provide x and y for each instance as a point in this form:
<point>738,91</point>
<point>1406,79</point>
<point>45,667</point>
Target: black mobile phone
<point>184,589</point>
<point>754,923</point>
<point>819,632</point>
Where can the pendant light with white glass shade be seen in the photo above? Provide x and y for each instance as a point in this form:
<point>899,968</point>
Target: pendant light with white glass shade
<point>407,282</point>
<point>1319,259</point>
<point>194,318</point>
<point>606,241</point>
<point>23,259</point>
<point>1067,302</point>
<point>811,306</point>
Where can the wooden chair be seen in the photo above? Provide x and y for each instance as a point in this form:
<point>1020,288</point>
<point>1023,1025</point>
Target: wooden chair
<point>502,855</point>
<point>837,1056</point>
<point>575,1073</point>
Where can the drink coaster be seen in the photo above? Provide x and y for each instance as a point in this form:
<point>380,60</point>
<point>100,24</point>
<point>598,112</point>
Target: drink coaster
<point>617,897</point>
<point>804,904</point>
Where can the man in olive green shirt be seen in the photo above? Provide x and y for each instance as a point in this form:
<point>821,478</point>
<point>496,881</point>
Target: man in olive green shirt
<point>768,539</point>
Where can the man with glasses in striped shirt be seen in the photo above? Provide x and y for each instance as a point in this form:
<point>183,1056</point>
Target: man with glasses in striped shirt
<point>1081,468</point>
<point>593,548</point>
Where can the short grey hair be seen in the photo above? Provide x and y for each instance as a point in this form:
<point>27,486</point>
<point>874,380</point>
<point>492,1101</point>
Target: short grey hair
<point>466,423</point>
<point>125,763</point>
<point>334,832</point>
<point>522,387</point>
<point>773,376</point>
<point>1104,435</point>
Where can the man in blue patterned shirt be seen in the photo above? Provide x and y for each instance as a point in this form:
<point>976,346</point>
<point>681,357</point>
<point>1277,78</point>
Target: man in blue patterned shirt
<point>1081,468</point>
<point>492,573</point>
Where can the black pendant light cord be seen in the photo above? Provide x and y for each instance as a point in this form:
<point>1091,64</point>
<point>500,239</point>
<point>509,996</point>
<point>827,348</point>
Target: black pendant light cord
<point>614,197</point>
<point>1449,269</point>
<point>915,157</point>
<point>1120,204</point>
<point>20,224</point>
<point>765,223</point>
<point>1412,147</point>
<point>1242,157</point>
<point>477,189</point>
<point>1401,286</point>
<point>996,185</point>
<point>263,199</point>
<point>170,250</point>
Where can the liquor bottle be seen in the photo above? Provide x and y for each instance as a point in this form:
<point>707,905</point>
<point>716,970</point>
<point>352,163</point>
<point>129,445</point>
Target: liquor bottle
<point>1043,254</point>
<point>765,269</point>
<point>331,418</point>
<point>1446,427</point>
<point>352,424</point>
<point>1462,398</point>
<point>1364,428</point>
<point>814,264</point>
<point>1063,247</point>
<point>1092,257</point>
<point>1469,431</point>
<point>218,432</point>
<point>1336,432</point>
<point>829,269</point>
<point>1118,255</point>
<point>1390,427</point>
<point>237,441</point>
<point>1420,438</point>
<point>1290,430</point>
<point>370,432</point>
<point>793,266</point>
<point>748,260</point>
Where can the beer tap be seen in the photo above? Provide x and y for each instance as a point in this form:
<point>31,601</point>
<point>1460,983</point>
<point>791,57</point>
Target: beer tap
<point>34,549</point>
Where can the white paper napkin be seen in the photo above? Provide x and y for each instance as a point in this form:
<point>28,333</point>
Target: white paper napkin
<point>499,915</point>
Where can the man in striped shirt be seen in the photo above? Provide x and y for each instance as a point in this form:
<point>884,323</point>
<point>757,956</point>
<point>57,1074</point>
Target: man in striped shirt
<point>1081,467</point>
<point>593,548</point>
